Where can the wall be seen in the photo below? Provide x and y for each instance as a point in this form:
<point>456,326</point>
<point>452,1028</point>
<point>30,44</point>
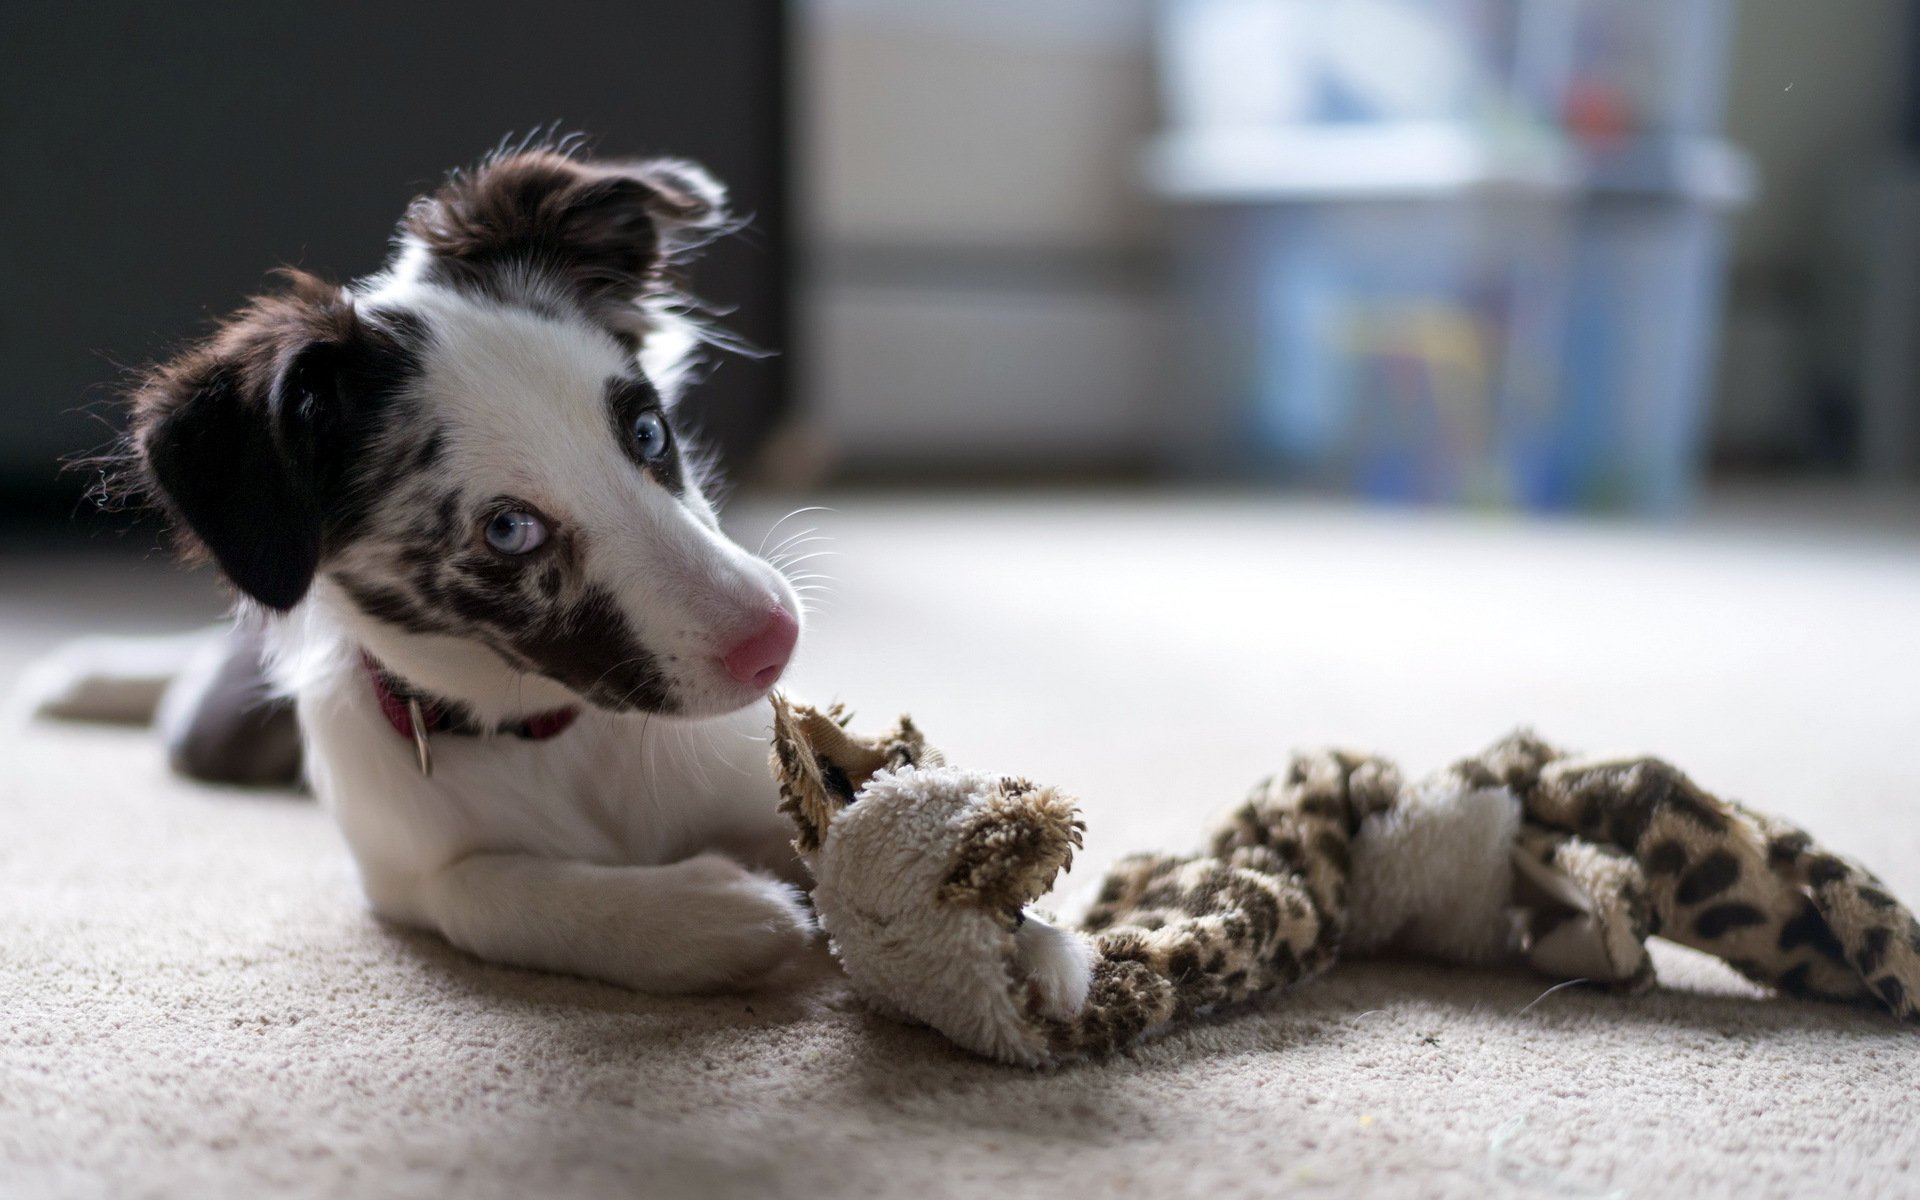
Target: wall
<point>1814,96</point>
<point>980,284</point>
<point>161,159</point>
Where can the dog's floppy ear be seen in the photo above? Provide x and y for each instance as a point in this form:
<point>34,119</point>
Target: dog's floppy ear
<point>606,231</point>
<point>239,437</point>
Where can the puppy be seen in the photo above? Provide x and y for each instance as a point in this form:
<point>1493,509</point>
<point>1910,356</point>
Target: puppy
<point>530,670</point>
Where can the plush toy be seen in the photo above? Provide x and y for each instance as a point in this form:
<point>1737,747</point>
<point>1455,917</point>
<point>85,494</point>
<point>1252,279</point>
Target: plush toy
<point>924,874</point>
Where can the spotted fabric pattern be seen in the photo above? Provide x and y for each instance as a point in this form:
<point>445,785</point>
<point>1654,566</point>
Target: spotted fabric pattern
<point>1265,909</point>
<point>1709,873</point>
<point>1643,851</point>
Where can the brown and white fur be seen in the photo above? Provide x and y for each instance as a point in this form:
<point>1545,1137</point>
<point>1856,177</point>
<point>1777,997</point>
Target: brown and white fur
<point>348,456</point>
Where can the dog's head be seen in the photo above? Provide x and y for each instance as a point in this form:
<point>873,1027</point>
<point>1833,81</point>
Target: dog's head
<point>480,442</point>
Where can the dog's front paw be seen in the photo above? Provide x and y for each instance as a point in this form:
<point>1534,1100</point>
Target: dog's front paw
<point>748,924</point>
<point>1057,966</point>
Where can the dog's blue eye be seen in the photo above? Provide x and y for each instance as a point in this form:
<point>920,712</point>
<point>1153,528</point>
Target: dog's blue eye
<point>650,436</point>
<point>516,532</point>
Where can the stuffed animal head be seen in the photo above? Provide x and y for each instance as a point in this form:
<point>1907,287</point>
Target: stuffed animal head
<point>922,872</point>
<point>821,768</point>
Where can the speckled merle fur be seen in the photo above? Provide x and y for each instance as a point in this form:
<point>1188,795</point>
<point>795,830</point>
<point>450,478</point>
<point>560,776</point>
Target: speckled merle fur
<point>416,563</point>
<point>295,443</point>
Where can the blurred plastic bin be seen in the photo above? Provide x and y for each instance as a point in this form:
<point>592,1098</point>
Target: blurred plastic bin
<point>1420,313</point>
<point>1644,294</point>
<point>1623,70</point>
<point>1608,70</point>
<point>1239,63</point>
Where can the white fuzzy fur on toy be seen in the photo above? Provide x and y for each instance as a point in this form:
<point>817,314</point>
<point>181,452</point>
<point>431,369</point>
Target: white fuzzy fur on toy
<point>957,968</point>
<point>1431,875</point>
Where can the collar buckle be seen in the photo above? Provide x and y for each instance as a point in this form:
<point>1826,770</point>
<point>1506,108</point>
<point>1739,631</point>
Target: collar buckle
<point>417,722</point>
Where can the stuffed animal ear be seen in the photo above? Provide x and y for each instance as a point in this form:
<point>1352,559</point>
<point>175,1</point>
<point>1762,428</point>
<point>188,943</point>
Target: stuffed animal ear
<point>1012,847</point>
<point>821,768</point>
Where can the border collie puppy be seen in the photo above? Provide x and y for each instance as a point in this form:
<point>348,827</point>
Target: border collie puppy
<point>530,670</point>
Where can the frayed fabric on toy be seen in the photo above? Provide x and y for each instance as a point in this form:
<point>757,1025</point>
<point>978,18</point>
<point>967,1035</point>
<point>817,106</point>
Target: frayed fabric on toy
<point>924,874</point>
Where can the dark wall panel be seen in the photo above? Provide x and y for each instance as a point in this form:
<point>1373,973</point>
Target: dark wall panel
<point>156,159</point>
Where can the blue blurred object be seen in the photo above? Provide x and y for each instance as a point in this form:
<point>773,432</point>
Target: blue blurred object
<point>1491,277</point>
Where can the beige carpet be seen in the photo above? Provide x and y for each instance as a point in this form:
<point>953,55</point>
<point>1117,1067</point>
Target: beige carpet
<point>193,1004</point>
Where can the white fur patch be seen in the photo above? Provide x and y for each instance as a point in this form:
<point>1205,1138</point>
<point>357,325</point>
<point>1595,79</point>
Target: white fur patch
<point>877,887</point>
<point>1432,875</point>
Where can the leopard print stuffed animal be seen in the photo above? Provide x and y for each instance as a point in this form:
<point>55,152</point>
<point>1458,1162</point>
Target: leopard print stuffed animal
<point>924,874</point>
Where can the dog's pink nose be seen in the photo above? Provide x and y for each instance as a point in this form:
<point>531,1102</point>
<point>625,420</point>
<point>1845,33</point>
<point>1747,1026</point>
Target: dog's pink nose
<point>760,659</point>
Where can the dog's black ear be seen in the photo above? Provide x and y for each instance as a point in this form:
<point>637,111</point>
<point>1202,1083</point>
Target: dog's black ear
<point>608,232</point>
<point>239,438</point>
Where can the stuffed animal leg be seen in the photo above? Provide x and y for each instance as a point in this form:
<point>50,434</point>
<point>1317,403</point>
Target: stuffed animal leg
<point>1175,937</point>
<point>1635,848</point>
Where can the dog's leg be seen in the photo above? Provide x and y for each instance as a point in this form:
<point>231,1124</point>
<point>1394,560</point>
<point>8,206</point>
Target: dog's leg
<point>703,924</point>
<point>221,720</point>
<point>768,850</point>
<point>206,691</point>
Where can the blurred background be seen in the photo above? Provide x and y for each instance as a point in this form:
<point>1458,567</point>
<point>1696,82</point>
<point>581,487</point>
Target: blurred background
<point>1533,254</point>
<point>1649,260</point>
<point>1544,253</point>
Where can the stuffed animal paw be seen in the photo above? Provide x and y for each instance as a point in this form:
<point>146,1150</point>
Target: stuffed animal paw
<point>922,875</point>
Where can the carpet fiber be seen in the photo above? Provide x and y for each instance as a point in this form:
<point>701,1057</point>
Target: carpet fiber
<point>194,1003</point>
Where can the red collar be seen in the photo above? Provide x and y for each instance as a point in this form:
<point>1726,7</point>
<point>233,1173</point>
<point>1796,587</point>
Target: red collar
<point>397,702</point>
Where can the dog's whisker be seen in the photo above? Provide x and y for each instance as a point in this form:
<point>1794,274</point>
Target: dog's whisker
<point>786,555</point>
<point>782,555</point>
<point>652,761</point>
<point>716,753</point>
<point>809,531</point>
<point>621,665</point>
<point>678,746</point>
<point>772,529</point>
<point>518,683</point>
<point>801,538</point>
<point>783,564</point>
